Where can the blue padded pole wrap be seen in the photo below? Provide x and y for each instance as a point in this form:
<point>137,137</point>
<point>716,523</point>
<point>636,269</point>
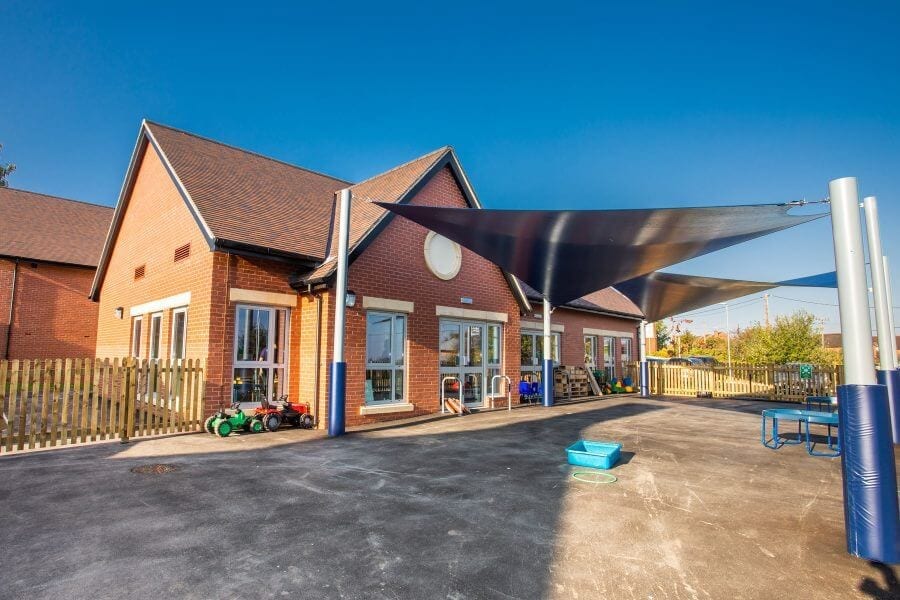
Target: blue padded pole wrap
<point>871,511</point>
<point>891,380</point>
<point>645,379</point>
<point>547,376</point>
<point>337,399</point>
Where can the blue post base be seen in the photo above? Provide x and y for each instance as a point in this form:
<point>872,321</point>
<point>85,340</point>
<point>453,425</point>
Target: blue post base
<point>891,380</point>
<point>871,510</point>
<point>337,399</point>
<point>547,376</point>
<point>645,379</point>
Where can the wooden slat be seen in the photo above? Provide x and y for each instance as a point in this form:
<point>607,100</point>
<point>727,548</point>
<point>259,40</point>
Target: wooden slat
<point>84,401</point>
<point>5,427</point>
<point>128,386</point>
<point>197,406</point>
<point>116,411</point>
<point>187,399</point>
<point>66,404</point>
<point>24,403</point>
<point>15,383</point>
<point>55,400</point>
<point>42,429</point>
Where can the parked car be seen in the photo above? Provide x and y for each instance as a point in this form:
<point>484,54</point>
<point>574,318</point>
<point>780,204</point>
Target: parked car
<point>704,361</point>
<point>681,362</point>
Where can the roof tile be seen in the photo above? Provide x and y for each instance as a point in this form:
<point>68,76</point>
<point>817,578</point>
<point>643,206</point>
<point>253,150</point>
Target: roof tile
<point>52,229</point>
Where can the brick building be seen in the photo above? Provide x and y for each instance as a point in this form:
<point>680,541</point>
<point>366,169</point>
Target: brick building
<point>48,252</point>
<point>225,255</point>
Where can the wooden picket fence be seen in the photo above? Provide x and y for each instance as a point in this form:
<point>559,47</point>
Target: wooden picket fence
<point>58,402</point>
<point>780,383</point>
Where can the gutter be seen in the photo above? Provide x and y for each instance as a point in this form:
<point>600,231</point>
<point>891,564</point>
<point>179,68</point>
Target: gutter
<point>12,303</point>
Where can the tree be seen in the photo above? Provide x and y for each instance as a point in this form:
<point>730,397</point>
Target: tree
<point>794,338</point>
<point>5,171</point>
<point>663,337</point>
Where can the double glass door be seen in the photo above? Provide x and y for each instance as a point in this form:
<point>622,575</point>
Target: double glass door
<point>470,352</point>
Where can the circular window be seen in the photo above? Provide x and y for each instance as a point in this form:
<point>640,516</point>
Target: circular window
<point>443,256</point>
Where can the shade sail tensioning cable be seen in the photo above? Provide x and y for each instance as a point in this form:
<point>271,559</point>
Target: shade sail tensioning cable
<point>565,254</point>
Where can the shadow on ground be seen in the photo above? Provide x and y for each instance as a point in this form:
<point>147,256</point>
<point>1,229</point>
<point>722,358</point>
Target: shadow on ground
<point>475,507</point>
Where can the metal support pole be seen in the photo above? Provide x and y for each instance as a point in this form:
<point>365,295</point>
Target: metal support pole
<point>872,522</point>
<point>879,286</point>
<point>887,364</point>
<point>890,297</point>
<point>642,352</point>
<point>337,399</point>
<point>547,374</point>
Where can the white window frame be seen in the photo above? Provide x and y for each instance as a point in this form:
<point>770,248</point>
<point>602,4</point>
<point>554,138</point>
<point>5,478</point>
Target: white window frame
<point>537,349</point>
<point>175,312</point>
<point>137,330</point>
<point>392,367</point>
<point>269,364</point>
<point>155,325</point>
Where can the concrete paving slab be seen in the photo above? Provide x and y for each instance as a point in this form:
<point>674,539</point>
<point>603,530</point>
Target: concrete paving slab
<point>482,506</point>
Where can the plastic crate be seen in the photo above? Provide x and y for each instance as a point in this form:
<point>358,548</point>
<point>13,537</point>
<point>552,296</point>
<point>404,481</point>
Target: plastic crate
<point>597,455</point>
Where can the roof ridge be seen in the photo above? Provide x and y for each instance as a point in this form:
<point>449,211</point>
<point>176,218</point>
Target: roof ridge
<point>442,150</point>
<point>12,189</point>
<point>245,151</point>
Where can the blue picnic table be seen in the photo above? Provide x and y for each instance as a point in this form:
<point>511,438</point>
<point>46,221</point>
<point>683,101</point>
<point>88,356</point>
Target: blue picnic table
<point>804,419</point>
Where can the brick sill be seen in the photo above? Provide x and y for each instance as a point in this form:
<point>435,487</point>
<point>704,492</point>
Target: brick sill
<point>386,408</point>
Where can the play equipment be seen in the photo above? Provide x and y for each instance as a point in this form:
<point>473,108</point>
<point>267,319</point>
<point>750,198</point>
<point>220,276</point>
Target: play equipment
<point>594,454</point>
<point>594,477</point>
<point>274,414</point>
<point>530,391</point>
<point>226,421</point>
<point>803,418</point>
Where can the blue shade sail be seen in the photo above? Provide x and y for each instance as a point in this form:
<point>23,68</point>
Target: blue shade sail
<point>660,295</point>
<point>565,254</point>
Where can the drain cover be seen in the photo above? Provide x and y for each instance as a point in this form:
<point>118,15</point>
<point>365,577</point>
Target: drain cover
<point>158,469</point>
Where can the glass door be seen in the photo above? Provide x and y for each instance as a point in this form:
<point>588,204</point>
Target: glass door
<point>609,357</point>
<point>450,359</point>
<point>590,351</point>
<point>473,365</point>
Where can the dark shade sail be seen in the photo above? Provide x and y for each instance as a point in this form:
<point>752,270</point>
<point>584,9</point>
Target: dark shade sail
<point>661,295</point>
<point>565,254</point>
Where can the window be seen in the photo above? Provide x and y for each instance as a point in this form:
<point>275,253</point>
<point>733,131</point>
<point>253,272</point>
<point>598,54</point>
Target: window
<point>179,331</point>
<point>532,354</point>
<point>155,331</point>
<point>494,345</point>
<point>626,350</point>
<point>260,353</point>
<point>136,337</point>
<point>590,350</point>
<point>385,357</point>
<point>182,252</point>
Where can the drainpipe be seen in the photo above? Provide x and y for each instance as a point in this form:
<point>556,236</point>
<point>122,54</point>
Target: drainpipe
<point>12,302</point>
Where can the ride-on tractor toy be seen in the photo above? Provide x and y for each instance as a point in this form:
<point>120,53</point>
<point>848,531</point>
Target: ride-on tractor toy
<point>273,414</point>
<point>225,421</point>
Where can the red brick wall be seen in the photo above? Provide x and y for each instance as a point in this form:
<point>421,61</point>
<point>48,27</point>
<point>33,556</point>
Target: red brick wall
<point>571,340</point>
<point>393,267</point>
<point>231,271</point>
<point>52,316</point>
<point>156,222</point>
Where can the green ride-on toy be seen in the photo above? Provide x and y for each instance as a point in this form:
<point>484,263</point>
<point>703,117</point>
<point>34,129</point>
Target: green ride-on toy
<point>227,420</point>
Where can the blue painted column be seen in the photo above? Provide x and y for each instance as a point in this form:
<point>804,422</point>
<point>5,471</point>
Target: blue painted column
<point>871,512</point>
<point>644,375</point>
<point>338,386</point>
<point>547,373</point>
<point>891,381</point>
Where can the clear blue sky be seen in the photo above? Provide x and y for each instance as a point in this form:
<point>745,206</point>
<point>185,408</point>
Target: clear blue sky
<point>582,105</point>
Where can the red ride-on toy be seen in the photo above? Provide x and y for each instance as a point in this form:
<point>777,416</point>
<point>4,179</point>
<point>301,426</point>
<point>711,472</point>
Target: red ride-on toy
<point>273,414</point>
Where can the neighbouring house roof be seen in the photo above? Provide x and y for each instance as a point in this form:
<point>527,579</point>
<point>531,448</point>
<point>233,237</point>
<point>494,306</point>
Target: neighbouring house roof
<point>51,229</point>
<point>608,301</point>
<point>243,201</point>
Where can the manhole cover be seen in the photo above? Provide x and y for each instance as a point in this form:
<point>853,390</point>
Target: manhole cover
<point>154,469</point>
